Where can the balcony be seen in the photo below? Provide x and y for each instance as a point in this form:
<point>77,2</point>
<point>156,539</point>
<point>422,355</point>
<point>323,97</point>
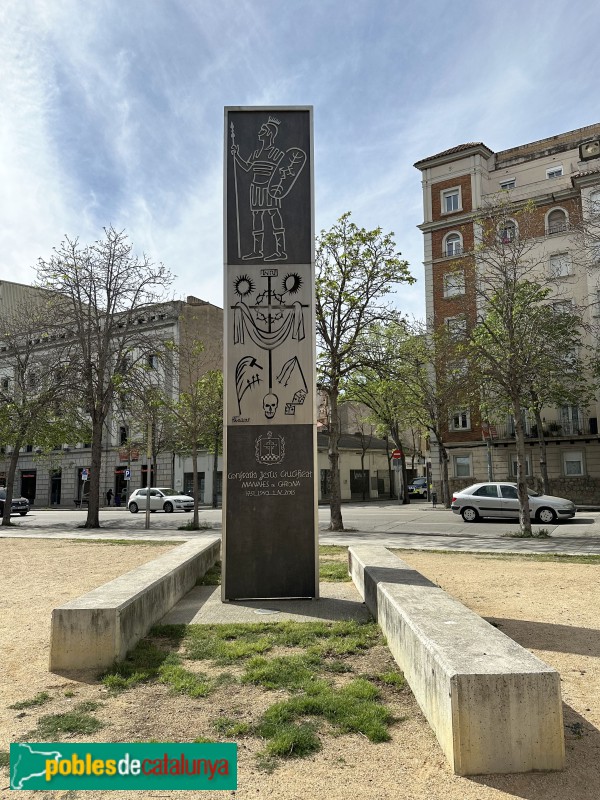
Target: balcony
<point>451,252</point>
<point>553,428</point>
<point>558,228</point>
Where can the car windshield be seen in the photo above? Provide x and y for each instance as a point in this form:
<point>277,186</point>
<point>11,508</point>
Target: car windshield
<point>533,493</point>
<point>2,494</point>
<point>168,492</point>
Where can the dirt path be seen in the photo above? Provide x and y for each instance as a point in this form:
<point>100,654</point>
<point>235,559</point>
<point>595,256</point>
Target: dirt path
<point>549,608</point>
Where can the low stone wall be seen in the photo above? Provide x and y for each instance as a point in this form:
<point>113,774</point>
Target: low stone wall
<point>494,706</point>
<point>98,628</point>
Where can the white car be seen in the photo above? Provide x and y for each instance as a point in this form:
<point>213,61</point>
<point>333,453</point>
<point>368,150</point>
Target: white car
<point>499,499</point>
<point>160,500</point>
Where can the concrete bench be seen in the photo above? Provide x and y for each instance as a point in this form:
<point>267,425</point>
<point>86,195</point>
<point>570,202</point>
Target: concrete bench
<point>98,628</point>
<point>494,706</point>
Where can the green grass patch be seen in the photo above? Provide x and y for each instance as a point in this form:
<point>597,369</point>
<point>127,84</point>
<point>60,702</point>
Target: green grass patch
<point>52,726</point>
<point>334,571</point>
<point>230,728</point>
<point>212,577</point>
<point>349,709</point>
<point>125,542</point>
<point>225,644</point>
<point>190,526</point>
<point>38,700</point>
<point>293,672</point>
<point>563,558</point>
<point>182,681</point>
<point>4,758</point>
<point>141,665</point>
<point>396,679</point>
<point>543,533</point>
<point>289,740</point>
<point>333,550</point>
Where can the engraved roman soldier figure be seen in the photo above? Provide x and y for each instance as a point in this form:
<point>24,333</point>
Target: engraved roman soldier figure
<point>274,172</point>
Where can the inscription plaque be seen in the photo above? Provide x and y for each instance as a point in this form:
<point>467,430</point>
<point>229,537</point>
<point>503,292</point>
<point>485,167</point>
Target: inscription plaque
<point>270,529</point>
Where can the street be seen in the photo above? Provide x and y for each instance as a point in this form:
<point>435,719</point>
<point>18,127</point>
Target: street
<point>416,526</point>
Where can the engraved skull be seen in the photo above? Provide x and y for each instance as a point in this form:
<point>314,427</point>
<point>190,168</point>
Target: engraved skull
<point>270,403</point>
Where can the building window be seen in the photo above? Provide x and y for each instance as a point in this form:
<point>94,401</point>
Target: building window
<point>560,265</point>
<point>5,383</point>
<point>462,466</point>
<point>453,245</point>
<point>451,201</point>
<point>460,421</point>
<point>457,326</point>
<point>513,465</point>
<point>509,183</point>
<point>123,434</point>
<point>508,231</point>
<point>152,361</point>
<point>595,204</point>
<point>563,307</point>
<point>571,420</point>
<point>554,172</point>
<point>556,222</point>
<point>573,463</point>
<point>454,283</point>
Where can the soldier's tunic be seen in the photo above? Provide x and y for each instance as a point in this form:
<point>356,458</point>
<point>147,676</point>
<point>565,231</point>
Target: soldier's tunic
<point>263,166</point>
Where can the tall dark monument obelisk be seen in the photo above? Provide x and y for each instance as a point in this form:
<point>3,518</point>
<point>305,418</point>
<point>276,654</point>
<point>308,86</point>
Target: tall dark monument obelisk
<point>270,511</point>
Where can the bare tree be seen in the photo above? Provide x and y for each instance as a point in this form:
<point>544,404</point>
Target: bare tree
<point>100,293</point>
<point>527,350</point>
<point>35,371</point>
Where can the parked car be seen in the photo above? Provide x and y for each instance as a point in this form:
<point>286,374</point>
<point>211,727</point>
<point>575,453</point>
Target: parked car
<point>19,505</point>
<point>418,488</point>
<point>500,499</point>
<point>161,499</point>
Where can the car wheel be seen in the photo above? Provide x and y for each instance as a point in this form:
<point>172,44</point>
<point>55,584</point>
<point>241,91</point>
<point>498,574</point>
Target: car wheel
<point>546,515</point>
<point>469,514</point>
<point>168,507</point>
<point>22,513</point>
<point>133,507</point>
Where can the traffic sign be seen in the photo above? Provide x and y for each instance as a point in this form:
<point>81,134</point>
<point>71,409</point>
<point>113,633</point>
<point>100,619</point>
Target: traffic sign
<point>127,474</point>
<point>397,454</point>
<point>85,474</point>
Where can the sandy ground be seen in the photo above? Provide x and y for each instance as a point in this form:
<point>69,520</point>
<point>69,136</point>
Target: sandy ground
<point>551,609</point>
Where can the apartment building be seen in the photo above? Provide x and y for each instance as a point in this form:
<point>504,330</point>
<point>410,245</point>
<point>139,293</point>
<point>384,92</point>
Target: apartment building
<point>560,176</point>
<point>58,478</point>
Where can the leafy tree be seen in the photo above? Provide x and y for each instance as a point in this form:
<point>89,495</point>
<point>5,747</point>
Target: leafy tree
<point>198,416</point>
<point>100,292</point>
<point>356,270</point>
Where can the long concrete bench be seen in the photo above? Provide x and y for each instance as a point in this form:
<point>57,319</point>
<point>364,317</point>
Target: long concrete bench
<point>98,628</point>
<point>494,707</point>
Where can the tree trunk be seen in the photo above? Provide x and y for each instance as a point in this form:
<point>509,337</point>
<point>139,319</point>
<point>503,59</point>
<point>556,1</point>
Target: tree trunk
<point>196,520</point>
<point>93,514</point>
<point>543,460</point>
<point>10,481</point>
<point>215,471</point>
<point>335,499</point>
<point>524,516</point>
<point>362,476</point>
<point>443,461</point>
<point>404,478</point>
<point>390,469</point>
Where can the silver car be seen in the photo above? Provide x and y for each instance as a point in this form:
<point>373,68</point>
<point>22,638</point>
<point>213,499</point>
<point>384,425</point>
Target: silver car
<point>500,499</point>
<point>160,500</point>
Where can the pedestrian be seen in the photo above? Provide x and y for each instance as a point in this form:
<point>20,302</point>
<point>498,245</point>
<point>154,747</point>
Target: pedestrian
<point>109,495</point>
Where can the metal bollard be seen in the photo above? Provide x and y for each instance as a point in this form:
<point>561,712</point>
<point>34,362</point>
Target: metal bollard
<point>434,499</point>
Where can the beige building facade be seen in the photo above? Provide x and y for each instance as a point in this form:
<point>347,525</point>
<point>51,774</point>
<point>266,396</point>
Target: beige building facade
<point>560,176</point>
<point>56,478</point>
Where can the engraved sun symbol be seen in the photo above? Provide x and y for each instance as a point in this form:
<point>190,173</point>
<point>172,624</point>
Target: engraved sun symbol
<point>243,286</point>
<point>292,283</point>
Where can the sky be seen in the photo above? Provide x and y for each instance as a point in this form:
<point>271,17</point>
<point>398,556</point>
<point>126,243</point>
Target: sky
<point>111,113</point>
